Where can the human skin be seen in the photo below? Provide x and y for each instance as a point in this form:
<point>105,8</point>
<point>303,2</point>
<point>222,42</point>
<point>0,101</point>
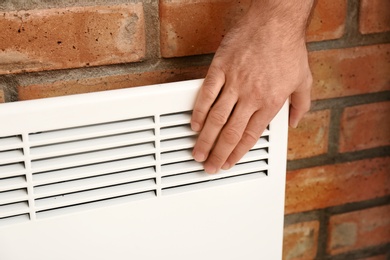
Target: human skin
<point>260,63</point>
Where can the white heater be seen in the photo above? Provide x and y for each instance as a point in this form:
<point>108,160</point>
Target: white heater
<point>109,175</point>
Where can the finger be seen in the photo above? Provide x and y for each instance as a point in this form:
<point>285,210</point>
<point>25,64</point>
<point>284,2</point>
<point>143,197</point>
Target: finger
<point>208,93</point>
<point>215,121</point>
<point>300,104</point>
<point>228,139</point>
<point>251,135</point>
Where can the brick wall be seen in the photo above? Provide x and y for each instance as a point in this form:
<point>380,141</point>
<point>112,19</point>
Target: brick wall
<point>338,181</point>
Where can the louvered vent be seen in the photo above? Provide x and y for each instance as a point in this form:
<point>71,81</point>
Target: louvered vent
<point>14,206</point>
<point>181,172</point>
<point>90,166</point>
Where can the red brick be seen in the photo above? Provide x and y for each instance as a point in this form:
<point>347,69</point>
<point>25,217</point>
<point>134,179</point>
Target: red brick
<point>60,88</point>
<point>352,71</point>
<point>310,138</point>
<point>358,230</point>
<point>300,241</point>
<point>328,20</point>
<point>48,39</point>
<point>374,16</point>
<point>365,126</point>
<point>197,27</point>
<point>337,184</point>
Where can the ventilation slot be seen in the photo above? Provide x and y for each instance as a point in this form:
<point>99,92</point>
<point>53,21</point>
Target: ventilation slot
<point>198,176</point>
<point>86,132</point>
<point>14,219</point>
<point>13,169</point>
<point>212,183</point>
<point>11,186</point>
<point>11,156</point>
<point>13,202</point>
<point>180,118</point>
<point>104,203</point>
<point>55,197</point>
<point>12,183</point>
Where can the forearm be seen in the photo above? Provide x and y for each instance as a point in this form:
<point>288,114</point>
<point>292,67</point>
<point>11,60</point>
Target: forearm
<point>279,19</point>
<point>283,12</point>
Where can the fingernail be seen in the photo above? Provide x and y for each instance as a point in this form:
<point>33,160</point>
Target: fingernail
<point>226,166</point>
<point>211,169</point>
<point>199,157</point>
<point>294,124</point>
<point>195,127</point>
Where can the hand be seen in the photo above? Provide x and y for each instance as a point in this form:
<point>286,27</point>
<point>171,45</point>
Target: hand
<point>259,64</point>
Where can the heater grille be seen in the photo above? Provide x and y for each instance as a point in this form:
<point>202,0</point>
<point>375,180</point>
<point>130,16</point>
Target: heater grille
<point>92,165</point>
<point>13,185</point>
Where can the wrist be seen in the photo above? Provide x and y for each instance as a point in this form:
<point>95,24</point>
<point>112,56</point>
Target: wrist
<point>279,18</point>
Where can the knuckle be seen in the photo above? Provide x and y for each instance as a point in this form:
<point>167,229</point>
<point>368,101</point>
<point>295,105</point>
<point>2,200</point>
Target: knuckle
<point>235,156</point>
<point>275,101</point>
<point>249,139</point>
<point>209,92</point>
<point>218,117</point>
<point>231,136</point>
<point>203,142</point>
<point>211,84</point>
<point>217,159</point>
<point>199,112</point>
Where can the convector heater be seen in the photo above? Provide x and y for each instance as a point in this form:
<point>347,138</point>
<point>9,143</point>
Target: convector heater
<point>110,175</point>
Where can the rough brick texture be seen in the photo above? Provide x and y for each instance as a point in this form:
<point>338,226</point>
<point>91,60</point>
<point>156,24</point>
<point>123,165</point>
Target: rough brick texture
<point>300,241</point>
<point>321,27</point>
<point>374,16</point>
<point>197,27</point>
<point>360,229</point>
<point>69,87</point>
<point>337,184</point>
<point>188,29</point>
<point>310,138</point>
<point>71,37</point>
<point>353,71</point>
<point>365,126</point>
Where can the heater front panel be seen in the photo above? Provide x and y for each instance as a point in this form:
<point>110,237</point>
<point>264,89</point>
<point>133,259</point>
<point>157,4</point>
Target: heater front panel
<point>110,175</point>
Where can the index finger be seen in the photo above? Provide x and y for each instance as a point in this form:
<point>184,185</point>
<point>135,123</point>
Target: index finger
<point>208,93</point>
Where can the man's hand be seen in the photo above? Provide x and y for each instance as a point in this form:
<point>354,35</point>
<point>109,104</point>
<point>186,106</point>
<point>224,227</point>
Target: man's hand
<point>259,64</point>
